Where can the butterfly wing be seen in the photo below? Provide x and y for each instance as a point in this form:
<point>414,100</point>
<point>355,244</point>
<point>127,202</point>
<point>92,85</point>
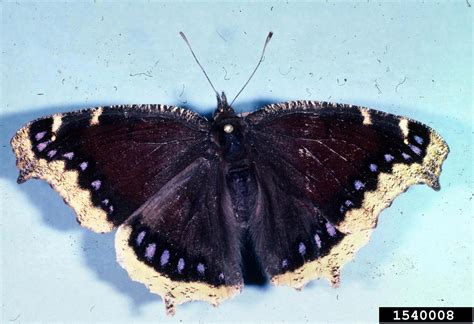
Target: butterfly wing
<point>151,169</point>
<point>325,172</point>
<point>182,243</point>
<point>107,161</point>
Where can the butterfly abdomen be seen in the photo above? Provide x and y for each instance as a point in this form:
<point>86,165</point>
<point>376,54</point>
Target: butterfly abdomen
<point>242,187</point>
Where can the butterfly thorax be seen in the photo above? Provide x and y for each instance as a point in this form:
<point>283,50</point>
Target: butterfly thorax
<point>229,135</point>
<point>228,131</point>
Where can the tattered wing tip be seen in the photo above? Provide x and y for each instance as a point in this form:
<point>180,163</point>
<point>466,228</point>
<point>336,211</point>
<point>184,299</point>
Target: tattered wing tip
<point>170,307</point>
<point>21,179</point>
<point>438,151</point>
<point>24,175</point>
<point>336,278</point>
<point>435,185</point>
<point>392,184</point>
<point>21,147</point>
<point>63,181</point>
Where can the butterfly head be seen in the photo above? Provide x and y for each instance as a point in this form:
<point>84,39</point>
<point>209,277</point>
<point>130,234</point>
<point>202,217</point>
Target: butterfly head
<point>225,118</point>
<point>222,106</point>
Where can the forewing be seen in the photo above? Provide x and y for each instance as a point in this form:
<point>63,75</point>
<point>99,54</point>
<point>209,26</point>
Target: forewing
<point>330,168</point>
<point>182,243</point>
<point>107,161</point>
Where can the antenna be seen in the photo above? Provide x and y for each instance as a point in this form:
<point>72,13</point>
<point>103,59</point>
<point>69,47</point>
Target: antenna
<point>270,34</point>
<point>197,61</point>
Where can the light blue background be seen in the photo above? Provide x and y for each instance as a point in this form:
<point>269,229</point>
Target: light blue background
<point>65,56</point>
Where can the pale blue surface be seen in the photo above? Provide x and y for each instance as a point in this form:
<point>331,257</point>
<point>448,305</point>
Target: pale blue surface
<point>59,57</point>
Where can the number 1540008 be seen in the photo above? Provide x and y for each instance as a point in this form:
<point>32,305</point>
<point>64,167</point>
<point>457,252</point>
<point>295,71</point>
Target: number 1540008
<point>425,314</point>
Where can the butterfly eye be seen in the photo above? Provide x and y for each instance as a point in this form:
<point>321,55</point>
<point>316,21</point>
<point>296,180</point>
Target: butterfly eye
<point>228,128</point>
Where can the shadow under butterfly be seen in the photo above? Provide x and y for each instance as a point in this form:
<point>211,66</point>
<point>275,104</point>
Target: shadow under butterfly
<point>287,193</point>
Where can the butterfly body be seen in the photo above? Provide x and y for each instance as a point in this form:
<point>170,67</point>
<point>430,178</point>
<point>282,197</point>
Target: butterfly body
<point>229,134</point>
<point>287,193</point>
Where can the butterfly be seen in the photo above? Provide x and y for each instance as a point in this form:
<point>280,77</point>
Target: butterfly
<point>287,193</point>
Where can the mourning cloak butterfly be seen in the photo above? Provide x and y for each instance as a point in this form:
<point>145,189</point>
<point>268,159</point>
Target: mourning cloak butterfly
<point>288,193</point>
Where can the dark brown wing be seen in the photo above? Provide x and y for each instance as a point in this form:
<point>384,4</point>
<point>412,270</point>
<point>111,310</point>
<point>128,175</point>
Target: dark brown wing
<point>325,172</point>
<point>107,161</point>
<point>182,243</point>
